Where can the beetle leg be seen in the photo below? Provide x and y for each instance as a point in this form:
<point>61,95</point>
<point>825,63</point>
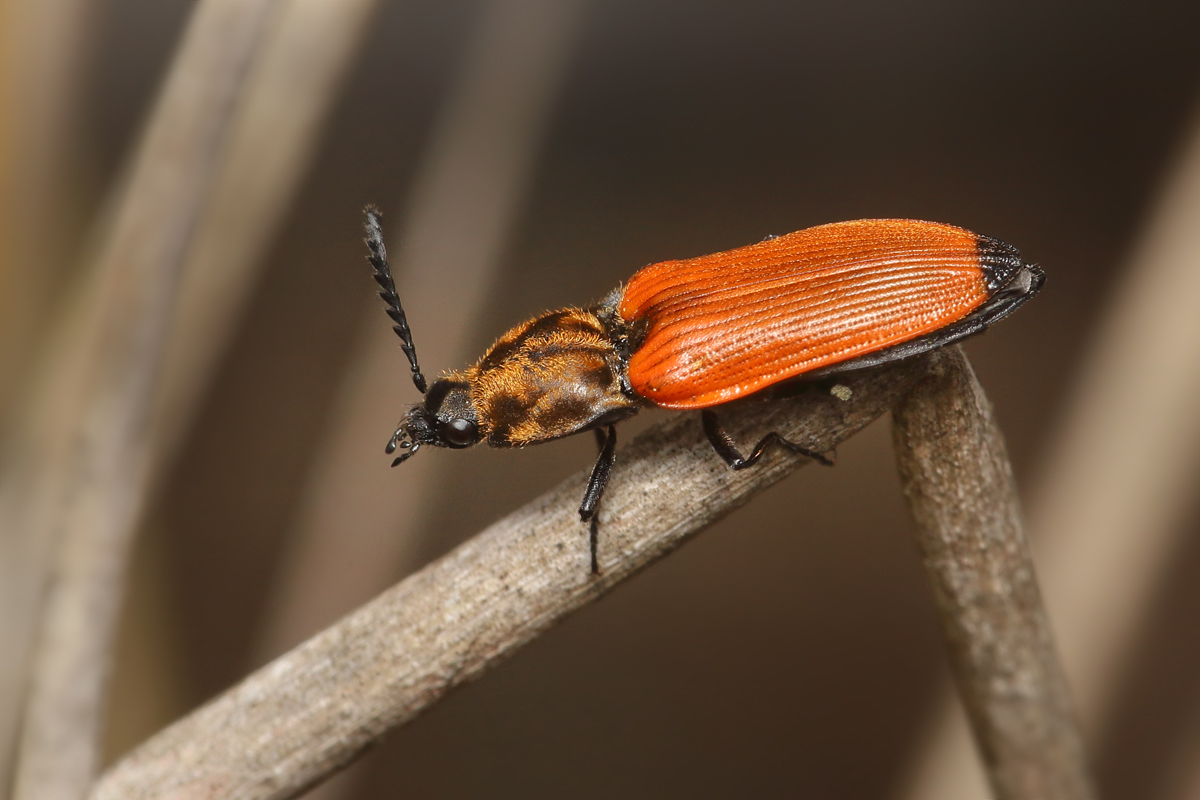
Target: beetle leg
<point>595,487</point>
<point>727,450</point>
<point>594,522</point>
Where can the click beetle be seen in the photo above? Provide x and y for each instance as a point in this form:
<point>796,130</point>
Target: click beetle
<point>700,332</point>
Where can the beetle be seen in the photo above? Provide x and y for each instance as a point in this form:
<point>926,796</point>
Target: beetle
<point>700,332</point>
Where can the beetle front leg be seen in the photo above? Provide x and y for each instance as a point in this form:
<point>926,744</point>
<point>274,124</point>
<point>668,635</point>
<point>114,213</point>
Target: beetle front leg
<point>595,488</point>
<point>727,450</point>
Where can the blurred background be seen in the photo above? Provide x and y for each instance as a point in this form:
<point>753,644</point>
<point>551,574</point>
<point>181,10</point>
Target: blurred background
<point>529,154</point>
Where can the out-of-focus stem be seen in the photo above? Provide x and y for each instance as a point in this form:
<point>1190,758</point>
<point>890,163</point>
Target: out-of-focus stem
<point>41,47</point>
<point>83,473</point>
<point>288,98</point>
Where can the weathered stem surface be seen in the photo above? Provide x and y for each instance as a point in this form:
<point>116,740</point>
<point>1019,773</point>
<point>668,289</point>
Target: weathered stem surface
<point>1119,475</point>
<point>958,481</point>
<point>316,708</point>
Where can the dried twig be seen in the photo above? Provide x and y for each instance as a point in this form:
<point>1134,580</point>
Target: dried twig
<point>89,485</point>
<point>1105,516</point>
<point>313,710</point>
<point>958,481</point>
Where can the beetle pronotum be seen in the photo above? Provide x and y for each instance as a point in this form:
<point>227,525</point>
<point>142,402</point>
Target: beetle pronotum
<point>696,333</point>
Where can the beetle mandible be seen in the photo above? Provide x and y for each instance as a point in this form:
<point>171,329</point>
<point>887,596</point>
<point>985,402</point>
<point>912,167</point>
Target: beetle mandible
<point>699,332</point>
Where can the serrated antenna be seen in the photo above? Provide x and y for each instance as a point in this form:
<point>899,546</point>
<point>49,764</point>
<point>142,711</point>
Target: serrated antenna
<point>377,255</point>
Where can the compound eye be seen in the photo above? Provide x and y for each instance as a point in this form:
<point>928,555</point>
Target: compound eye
<point>459,432</point>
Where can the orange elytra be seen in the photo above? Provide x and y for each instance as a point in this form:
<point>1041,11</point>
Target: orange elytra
<point>699,332</point>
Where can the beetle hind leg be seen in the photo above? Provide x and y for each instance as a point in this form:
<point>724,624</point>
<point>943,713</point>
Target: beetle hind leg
<point>595,488</point>
<point>727,450</point>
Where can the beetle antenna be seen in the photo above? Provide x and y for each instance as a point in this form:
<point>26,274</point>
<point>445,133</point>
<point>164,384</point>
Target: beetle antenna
<point>383,276</point>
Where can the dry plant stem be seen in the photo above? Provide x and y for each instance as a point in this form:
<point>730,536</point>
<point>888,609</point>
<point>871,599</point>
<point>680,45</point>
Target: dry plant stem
<point>93,494</point>
<point>1118,478</point>
<point>316,708</point>
<point>958,481</point>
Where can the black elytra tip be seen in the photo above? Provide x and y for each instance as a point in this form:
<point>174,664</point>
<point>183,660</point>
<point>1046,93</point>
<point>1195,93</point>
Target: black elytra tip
<point>998,261</point>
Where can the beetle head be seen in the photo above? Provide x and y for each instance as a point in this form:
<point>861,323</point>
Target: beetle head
<point>446,419</point>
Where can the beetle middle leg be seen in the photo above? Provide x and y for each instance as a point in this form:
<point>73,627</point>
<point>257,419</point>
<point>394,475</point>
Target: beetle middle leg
<point>727,450</point>
<point>595,488</point>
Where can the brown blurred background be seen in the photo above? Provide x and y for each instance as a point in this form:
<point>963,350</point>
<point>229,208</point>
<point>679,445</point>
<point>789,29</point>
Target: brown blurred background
<point>793,649</point>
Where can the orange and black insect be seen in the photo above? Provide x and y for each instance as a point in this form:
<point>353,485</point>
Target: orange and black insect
<point>696,333</point>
